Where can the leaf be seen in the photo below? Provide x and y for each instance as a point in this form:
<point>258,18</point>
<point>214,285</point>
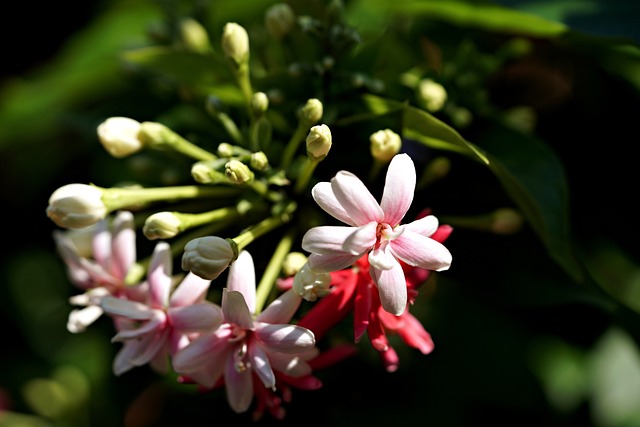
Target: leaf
<point>529,172</point>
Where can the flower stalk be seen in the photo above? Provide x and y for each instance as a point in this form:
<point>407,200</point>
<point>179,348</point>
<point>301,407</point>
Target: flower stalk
<point>273,269</point>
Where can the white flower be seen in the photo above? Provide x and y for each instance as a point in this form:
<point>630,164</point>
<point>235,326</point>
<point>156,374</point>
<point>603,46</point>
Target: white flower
<point>119,136</point>
<point>76,206</point>
<point>310,284</point>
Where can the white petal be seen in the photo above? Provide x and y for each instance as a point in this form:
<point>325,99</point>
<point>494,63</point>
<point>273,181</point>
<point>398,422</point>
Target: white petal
<point>340,240</point>
<point>426,225</point>
<point>199,317</point>
<point>159,275</point>
<point>392,288</point>
<point>235,309</point>
<point>192,289</point>
<point>382,258</point>
<point>285,338</point>
<point>121,307</point>
<point>356,199</point>
<point>421,251</point>
<point>329,263</point>
<point>261,365</point>
<point>282,309</point>
<point>242,278</point>
<point>80,319</point>
<point>239,386</point>
<point>323,195</point>
<point>399,187</point>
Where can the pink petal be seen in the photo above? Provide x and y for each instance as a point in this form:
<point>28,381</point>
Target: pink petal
<point>150,346</point>
<point>323,195</point>
<point>356,199</point>
<point>426,225</point>
<point>339,240</point>
<point>239,386</point>
<point>156,322</point>
<point>123,244</point>
<point>242,278</point>
<point>392,288</point>
<point>192,289</point>
<point>290,365</point>
<point>285,338</point>
<point>421,251</point>
<point>415,335</point>
<point>235,309</point>
<point>382,258</point>
<point>122,361</point>
<point>399,187</point>
<point>202,351</point>
<point>282,309</point>
<point>261,366</point>
<point>121,307</point>
<point>330,263</point>
<point>199,317</point>
<point>159,275</point>
<point>101,244</point>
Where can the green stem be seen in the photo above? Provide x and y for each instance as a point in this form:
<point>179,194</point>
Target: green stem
<point>293,144</point>
<point>259,229</point>
<point>305,175</point>
<point>193,220</point>
<point>273,269</point>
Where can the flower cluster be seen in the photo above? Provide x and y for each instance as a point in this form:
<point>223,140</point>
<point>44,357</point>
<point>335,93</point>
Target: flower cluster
<point>224,321</point>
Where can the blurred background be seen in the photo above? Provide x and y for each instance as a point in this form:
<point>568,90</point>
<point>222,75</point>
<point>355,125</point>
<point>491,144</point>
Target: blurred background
<point>519,340</point>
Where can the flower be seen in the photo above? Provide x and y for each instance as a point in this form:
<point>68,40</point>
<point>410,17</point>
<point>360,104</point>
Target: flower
<point>156,329</point>
<point>310,284</point>
<point>208,256</point>
<point>375,229</point>
<point>114,257</point>
<point>119,136</point>
<point>76,206</point>
<point>244,348</point>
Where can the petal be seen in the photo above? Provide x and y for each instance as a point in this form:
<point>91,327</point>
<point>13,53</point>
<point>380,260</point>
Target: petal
<point>289,364</point>
<point>285,338</point>
<point>199,317</point>
<point>122,307</point>
<point>149,347</point>
<point>399,187</point>
<point>356,199</point>
<point>239,386</point>
<point>122,361</point>
<point>421,251</point>
<point>392,288</point>
<point>415,335</point>
<point>261,366</point>
<point>330,263</point>
<point>155,323</point>
<point>362,306</point>
<point>339,240</point>
<point>382,258</point>
<point>191,290</point>
<point>159,275</point>
<point>323,195</point>
<point>235,309</point>
<point>80,319</point>
<point>123,245</point>
<point>426,225</point>
<point>242,278</point>
<point>282,309</point>
<point>204,350</point>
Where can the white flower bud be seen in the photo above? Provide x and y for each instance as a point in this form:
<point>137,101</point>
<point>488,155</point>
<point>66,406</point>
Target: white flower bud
<point>310,285</point>
<point>259,161</point>
<point>385,144</point>
<point>318,142</point>
<point>76,206</point>
<point>259,103</point>
<point>194,36</point>
<point>162,225</point>
<point>235,43</point>
<point>433,94</point>
<point>279,20</point>
<point>293,262</point>
<point>237,172</point>
<point>207,257</point>
<point>312,111</point>
<point>119,136</point>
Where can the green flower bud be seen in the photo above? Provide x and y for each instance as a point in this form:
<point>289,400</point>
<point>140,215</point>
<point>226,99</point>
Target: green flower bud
<point>225,149</point>
<point>312,111</point>
<point>259,103</point>
<point>194,36</point>
<point>76,206</point>
<point>207,257</point>
<point>310,285</point>
<point>432,94</point>
<point>506,221</point>
<point>318,142</point>
<point>259,161</point>
<point>385,144</point>
<point>293,262</point>
<point>235,43</point>
<point>162,225</point>
<point>237,172</point>
<point>119,136</point>
<point>279,20</point>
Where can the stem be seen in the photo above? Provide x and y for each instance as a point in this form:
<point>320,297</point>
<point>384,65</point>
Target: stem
<point>259,229</point>
<point>305,175</point>
<point>193,220</point>
<point>290,150</point>
<point>273,269</point>
<point>119,198</point>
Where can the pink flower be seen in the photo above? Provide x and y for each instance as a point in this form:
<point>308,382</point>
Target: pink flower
<point>243,348</point>
<point>354,291</point>
<point>157,329</point>
<point>375,229</point>
<point>103,271</point>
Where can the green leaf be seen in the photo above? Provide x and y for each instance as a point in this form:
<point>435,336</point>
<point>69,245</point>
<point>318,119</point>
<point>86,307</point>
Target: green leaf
<point>529,172</point>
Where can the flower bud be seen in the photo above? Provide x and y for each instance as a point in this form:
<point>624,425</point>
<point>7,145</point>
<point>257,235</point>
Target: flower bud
<point>194,36</point>
<point>237,172</point>
<point>259,103</point>
<point>207,257</point>
<point>259,161</point>
<point>385,144</point>
<point>225,149</point>
<point>318,142</point>
<point>433,94</point>
<point>119,136</point>
<point>310,285</point>
<point>235,43</point>
<point>312,111</point>
<point>76,206</point>
<point>293,262</point>
<point>506,221</point>
<point>162,225</point>
<point>279,20</point>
